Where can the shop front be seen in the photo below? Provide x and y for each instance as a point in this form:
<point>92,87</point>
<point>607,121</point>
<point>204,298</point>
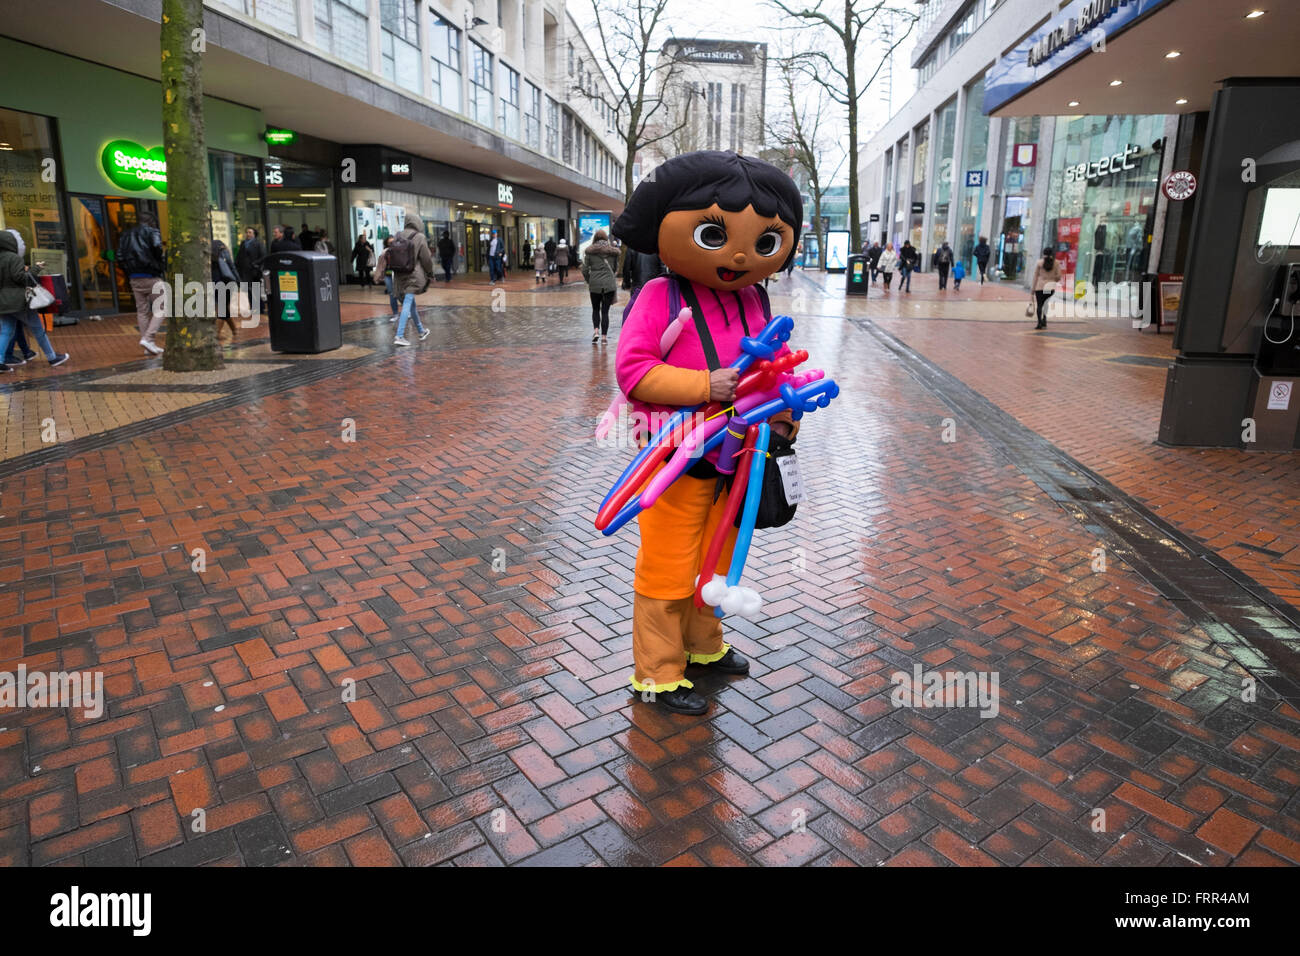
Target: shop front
<point>1101,197</point>
<point>468,207</point>
<point>1019,175</point>
<point>81,160</point>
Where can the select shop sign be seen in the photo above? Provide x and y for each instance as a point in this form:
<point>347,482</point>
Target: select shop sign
<point>130,166</point>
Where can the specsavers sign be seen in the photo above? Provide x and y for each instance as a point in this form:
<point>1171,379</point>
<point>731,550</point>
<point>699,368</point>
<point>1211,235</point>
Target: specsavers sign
<point>130,166</point>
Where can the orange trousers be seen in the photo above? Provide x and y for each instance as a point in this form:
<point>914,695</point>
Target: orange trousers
<point>668,630</point>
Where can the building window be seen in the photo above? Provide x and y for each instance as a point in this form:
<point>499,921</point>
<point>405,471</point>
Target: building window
<point>566,139</point>
<point>713,121</point>
<point>964,27</point>
<point>570,59</point>
<point>509,101</point>
<point>280,14</point>
<point>399,42</point>
<point>445,42</point>
<point>552,128</point>
<point>533,116</point>
<point>480,85</point>
<point>738,117</point>
<point>342,30</point>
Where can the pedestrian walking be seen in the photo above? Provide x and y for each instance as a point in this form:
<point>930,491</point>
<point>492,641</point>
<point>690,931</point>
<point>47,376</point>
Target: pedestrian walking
<point>306,238</point>
<point>539,265</point>
<point>873,258</point>
<point>958,273</point>
<point>1047,276</point>
<point>496,271</point>
<point>19,350</point>
<point>412,265</point>
<point>908,261</point>
<point>282,240</point>
<point>942,260</point>
<point>248,260</point>
<point>140,256</point>
<point>526,254</point>
<point>446,254</point>
<point>323,244</point>
<point>886,262</point>
<point>363,258</point>
<point>223,271</point>
<point>15,279</point>
<point>550,254</point>
<point>562,259</point>
<point>600,269</point>
<point>982,253</point>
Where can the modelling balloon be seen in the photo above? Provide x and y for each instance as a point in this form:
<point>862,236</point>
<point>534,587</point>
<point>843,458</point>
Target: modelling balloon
<point>705,590</point>
<point>734,601</point>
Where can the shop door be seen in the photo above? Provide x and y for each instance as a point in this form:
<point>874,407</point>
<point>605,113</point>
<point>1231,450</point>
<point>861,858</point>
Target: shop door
<point>458,236</point>
<point>471,246</point>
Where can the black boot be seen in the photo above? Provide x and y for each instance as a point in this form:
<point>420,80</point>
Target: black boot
<point>728,663</point>
<point>683,700</point>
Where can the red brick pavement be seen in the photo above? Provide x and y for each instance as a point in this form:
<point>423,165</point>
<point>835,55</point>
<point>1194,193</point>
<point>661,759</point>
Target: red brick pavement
<point>353,680</point>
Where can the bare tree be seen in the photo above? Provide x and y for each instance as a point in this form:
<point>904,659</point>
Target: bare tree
<point>805,136</point>
<point>191,340</point>
<point>857,29</point>
<point>628,32</point>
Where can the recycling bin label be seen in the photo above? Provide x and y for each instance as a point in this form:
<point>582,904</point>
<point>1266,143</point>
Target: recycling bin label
<point>288,287</point>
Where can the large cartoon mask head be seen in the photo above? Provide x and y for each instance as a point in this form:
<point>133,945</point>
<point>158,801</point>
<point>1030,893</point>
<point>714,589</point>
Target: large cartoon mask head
<point>722,220</point>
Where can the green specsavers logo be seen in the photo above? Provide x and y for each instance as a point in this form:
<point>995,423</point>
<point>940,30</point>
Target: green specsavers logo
<point>130,166</point>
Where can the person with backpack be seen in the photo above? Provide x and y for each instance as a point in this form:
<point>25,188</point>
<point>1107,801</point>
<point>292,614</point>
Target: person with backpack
<point>721,223</point>
<point>140,256</point>
<point>600,269</point>
<point>412,264</point>
<point>943,262</point>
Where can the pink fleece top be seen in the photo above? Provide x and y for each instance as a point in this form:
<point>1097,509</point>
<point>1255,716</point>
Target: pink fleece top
<point>638,340</point>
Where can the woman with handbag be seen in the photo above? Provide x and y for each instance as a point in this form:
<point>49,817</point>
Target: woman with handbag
<point>19,295</point>
<point>885,264</point>
<point>1047,276</point>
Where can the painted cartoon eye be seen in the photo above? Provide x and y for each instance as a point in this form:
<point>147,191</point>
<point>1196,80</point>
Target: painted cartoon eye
<point>769,243</point>
<point>709,235</point>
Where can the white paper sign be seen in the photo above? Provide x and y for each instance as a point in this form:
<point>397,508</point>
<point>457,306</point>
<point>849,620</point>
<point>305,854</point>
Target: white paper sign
<point>1279,397</point>
<point>791,481</point>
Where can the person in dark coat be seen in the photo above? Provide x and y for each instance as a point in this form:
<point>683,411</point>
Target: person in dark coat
<point>982,254</point>
<point>282,240</point>
<point>446,254</point>
<point>363,256</point>
<point>873,258</point>
<point>550,254</point>
<point>306,238</point>
<point>226,300</point>
<point>248,261</point>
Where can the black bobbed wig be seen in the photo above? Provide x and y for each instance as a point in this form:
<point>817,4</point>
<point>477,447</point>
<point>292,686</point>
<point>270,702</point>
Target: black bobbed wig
<point>697,181</point>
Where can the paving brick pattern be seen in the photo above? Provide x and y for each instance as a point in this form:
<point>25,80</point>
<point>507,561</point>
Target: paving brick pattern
<point>413,648</point>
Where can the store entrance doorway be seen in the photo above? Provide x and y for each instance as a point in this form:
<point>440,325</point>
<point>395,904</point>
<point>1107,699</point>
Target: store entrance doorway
<point>98,223</point>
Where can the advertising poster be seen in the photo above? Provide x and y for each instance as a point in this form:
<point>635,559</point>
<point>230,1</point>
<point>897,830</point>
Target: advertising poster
<point>837,250</point>
<point>1067,235</point>
<point>588,223</point>
<point>363,224</point>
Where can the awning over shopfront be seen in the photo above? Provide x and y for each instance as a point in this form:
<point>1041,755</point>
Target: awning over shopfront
<point>1112,57</point>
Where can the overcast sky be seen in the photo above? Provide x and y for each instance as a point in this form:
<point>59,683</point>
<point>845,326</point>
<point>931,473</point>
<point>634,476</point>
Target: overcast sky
<point>759,21</point>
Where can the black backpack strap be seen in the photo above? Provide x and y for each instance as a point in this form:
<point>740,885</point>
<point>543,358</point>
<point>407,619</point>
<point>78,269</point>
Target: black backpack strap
<point>701,326</point>
<point>740,305</point>
<point>767,304</point>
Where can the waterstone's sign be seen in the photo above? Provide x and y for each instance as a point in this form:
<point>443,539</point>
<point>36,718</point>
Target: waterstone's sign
<point>1081,27</point>
<point>721,52</point>
<point>1106,166</point>
<point>130,166</point>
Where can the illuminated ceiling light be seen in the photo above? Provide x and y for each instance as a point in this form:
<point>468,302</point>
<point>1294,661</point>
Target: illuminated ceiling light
<point>1255,14</point>
<point>1172,54</point>
<point>1181,101</point>
<point>1116,82</point>
<point>1073,103</point>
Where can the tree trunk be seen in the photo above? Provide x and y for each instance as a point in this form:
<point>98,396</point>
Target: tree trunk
<point>191,339</point>
<point>850,53</point>
<point>817,224</point>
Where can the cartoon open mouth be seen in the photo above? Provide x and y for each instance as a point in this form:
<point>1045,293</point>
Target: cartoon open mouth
<point>730,275</point>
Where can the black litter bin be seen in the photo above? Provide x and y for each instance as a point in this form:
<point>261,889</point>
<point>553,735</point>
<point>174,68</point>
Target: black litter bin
<point>303,302</point>
<point>856,276</point>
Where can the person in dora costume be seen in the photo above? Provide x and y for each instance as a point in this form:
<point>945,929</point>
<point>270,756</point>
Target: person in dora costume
<point>721,223</point>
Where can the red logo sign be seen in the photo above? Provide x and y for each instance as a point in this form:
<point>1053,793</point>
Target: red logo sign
<point>1179,185</point>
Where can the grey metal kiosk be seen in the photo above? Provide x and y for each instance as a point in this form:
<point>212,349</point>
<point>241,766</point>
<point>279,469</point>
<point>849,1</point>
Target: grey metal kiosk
<point>303,302</point>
